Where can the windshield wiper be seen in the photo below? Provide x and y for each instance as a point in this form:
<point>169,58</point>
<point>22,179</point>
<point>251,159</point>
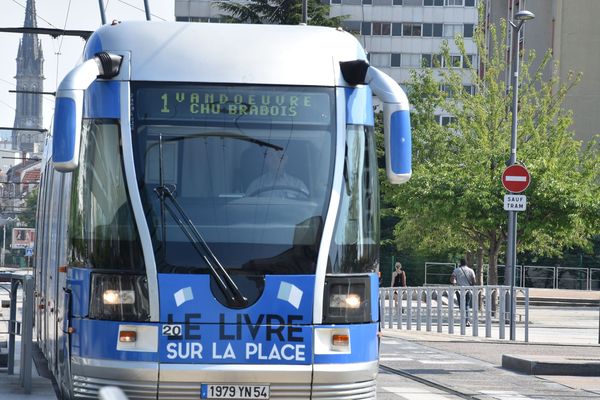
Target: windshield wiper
<point>232,293</point>
<point>235,298</point>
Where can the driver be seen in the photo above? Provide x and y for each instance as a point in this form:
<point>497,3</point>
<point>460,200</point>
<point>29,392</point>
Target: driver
<point>275,181</point>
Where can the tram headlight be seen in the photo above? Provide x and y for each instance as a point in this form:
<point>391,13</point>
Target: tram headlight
<point>347,299</point>
<point>119,297</point>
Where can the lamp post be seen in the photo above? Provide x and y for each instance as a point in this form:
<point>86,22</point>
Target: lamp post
<point>511,245</point>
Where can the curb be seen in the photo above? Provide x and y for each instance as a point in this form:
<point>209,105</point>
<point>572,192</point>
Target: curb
<point>552,365</point>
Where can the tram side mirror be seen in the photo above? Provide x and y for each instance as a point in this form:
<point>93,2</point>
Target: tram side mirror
<point>68,111</point>
<point>396,125</point>
<point>396,116</point>
<point>66,135</point>
<point>398,143</point>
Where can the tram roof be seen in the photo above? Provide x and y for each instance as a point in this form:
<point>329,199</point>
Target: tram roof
<point>228,53</point>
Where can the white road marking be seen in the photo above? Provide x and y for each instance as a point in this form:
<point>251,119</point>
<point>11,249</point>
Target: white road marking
<point>504,395</point>
<point>413,393</point>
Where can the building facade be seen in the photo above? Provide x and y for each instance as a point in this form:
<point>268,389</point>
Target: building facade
<point>403,35</point>
<point>30,82</point>
<point>400,35</point>
<point>568,29</point>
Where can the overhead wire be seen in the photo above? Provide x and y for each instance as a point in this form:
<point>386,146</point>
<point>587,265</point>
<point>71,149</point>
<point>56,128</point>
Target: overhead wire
<point>58,53</point>
<point>141,9</point>
<point>43,19</point>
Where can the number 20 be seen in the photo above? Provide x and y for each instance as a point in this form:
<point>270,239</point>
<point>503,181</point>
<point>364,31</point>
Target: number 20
<point>171,330</point>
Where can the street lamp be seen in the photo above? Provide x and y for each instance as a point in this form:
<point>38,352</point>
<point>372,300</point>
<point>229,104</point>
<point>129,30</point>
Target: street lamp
<point>511,246</point>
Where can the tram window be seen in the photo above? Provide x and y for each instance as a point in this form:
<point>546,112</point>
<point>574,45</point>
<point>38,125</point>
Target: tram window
<point>252,174</point>
<point>354,248</point>
<point>101,226</point>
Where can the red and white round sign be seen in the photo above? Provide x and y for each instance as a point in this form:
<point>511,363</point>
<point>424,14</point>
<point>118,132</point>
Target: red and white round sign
<point>516,178</point>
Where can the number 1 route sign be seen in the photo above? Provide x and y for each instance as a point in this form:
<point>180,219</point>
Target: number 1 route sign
<point>516,178</point>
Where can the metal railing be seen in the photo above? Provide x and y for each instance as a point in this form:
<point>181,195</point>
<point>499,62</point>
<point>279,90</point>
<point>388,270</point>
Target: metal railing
<point>445,308</point>
<point>532,276</point>
<point>22,327</point>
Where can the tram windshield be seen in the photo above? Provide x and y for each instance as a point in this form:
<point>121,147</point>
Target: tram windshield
<point>248,168</point>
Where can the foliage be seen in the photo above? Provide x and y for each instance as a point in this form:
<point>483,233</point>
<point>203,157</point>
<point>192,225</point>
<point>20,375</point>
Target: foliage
<point>454,200</point>
<point>285,12</point>
<point>28,215</point>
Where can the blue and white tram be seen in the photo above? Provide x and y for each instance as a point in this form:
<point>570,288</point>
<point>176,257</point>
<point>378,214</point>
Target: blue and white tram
<point>209,217</point>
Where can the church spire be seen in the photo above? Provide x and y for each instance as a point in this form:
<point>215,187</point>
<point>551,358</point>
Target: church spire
<point>30,17</point>
<point>30,77</point>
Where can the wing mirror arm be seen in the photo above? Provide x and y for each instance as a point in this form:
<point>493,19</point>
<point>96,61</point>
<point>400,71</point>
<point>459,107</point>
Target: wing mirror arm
<point>68,110</point>
<point>396,116</point>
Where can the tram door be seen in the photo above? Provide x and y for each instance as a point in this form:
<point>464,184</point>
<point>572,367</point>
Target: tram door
<point>61,320</point>
<point>52,266</point>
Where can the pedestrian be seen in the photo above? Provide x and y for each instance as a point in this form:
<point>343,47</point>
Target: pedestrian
<point>463,275</point>
<point>398,279</point>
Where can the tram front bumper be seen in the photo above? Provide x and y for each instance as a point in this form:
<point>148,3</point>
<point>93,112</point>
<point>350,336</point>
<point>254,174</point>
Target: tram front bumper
<point>144,380</point>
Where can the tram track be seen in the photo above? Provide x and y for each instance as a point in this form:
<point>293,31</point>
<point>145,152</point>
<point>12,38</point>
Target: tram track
<point>427,382</point>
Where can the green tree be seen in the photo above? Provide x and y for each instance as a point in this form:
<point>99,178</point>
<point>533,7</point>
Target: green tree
<point>28,214</point>
<point>455,197</point>
<point>284,12</point>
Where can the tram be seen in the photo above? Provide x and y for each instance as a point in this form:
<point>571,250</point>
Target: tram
<point>208,217</point>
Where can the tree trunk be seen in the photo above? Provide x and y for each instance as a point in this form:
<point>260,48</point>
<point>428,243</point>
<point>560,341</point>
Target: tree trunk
<point>479,271</point>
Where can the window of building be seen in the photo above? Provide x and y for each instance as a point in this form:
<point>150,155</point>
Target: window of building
<point>396,29</point>
<point>469,89</point>
<point>469,3</point>
<point>415,3</point>
<point>468,30</point>
<point>381,28</point>
<point>380,59</point>
<point>411,29</point>
<point>426,61</point>
<point>447,89</point>
<point>469,61</point>
<point>451,30</point>
<point>410,60</point>
<point>453,2</point>
<point>365,28</point>
<point>445,120</point>
<point>437,3</point>
<point>352,26</point>
<point>397,2</point>
<point>367,2</point>
<point>432,30</point>
<point>396,60</point>
<point>455,62</point>
<point>336,1</point>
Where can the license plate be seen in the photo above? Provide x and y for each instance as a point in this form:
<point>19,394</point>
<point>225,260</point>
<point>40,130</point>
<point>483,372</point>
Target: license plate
<point>225,391</point>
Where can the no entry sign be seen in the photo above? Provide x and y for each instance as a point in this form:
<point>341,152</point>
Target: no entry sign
<point>516,178</point>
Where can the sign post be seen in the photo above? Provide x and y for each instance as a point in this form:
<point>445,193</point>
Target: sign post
<point>515,179</point>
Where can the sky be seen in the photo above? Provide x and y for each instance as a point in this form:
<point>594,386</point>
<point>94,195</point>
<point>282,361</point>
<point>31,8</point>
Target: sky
<point>60,54</point>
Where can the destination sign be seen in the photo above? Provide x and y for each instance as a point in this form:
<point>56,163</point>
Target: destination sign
<point>234,104</point>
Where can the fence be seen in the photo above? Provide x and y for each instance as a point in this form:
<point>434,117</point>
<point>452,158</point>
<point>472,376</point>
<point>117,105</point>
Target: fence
<point>445,308</point>
<point>22,327</point>
<point>531,276</point>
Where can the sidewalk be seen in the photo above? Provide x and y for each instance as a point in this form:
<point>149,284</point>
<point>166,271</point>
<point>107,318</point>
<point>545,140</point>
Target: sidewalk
<point>10,388</point>
<point>566,338</point>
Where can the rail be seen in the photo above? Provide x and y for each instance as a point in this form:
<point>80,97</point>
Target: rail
<point>22,327</point>
<point>445,308</point>
<point>532,276</point>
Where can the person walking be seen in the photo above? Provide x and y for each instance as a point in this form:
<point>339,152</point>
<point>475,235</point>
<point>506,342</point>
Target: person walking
<point>463,275</point>
<point>398,279</point>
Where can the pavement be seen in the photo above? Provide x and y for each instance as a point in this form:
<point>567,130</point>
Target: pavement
<point>567,337</point>
<point>560,361</point>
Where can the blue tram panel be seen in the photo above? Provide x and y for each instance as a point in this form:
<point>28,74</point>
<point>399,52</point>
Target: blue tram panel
<point>219,233</point>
